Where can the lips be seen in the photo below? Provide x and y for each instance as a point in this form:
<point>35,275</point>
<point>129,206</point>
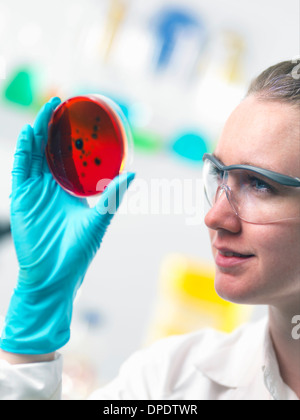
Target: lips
<point>230,254</point>
<point>226,258</point>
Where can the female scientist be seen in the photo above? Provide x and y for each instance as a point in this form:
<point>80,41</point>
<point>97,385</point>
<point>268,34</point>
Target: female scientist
<point>252,183</point>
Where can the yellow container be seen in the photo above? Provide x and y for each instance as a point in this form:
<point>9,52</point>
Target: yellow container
<point>187,300</point>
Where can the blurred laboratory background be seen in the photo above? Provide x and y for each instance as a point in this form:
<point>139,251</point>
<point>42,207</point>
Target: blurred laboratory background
<point>176,68</point>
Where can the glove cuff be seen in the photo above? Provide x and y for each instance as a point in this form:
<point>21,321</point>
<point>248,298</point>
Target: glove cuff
<point>37,323</point>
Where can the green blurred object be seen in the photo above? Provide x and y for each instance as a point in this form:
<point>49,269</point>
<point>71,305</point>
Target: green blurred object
<point>146,141</point>
<point>20,88</point>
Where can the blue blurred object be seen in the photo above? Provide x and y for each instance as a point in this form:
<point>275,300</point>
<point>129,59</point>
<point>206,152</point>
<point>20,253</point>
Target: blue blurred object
<point>191,146</point>
<point>121,104</point>
<point>169,24</point>
<point>4,229</point>
<point>92,318</point>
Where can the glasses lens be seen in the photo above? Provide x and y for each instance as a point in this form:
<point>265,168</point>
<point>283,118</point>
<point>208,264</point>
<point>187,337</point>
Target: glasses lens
<point>260,200</point>
<point>254,198</point>
<point>213,179</point>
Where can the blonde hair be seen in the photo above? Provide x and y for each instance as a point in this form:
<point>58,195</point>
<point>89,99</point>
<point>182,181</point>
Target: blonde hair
<point>280,82</point>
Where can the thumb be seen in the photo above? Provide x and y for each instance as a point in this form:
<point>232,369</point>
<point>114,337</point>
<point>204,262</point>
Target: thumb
<point>112,196</point>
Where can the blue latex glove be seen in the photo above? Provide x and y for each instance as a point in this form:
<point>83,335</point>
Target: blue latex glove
<point>56,237</point>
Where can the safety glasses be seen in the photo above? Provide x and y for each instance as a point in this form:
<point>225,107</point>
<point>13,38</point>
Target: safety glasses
<point>256,195</point>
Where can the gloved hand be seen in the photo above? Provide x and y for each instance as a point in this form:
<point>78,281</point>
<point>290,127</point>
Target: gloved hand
<point>56,236</point>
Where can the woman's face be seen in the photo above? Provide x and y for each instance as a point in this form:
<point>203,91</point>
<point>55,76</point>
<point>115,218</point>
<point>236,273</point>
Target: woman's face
<point>267,135</point>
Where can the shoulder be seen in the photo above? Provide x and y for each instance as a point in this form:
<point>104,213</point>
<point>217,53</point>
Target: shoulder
<point>177,366</point>
<point>201,344</point>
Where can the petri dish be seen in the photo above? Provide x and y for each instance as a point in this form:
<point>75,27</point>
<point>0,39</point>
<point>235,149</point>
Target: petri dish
<point>89,144</point>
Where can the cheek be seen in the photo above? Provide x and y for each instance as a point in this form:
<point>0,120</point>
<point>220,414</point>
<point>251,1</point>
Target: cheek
<point>274,272</point>
<point>278,250</point>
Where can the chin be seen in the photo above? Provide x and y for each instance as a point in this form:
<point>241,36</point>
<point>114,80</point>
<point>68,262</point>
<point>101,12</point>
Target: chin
<point>236,289</point>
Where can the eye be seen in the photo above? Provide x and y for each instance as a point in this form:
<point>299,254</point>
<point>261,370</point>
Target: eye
<point>260,185</point>
<point>216,173</point>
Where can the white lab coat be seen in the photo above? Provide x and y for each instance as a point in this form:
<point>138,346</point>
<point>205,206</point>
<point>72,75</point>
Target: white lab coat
<point>205,365</point>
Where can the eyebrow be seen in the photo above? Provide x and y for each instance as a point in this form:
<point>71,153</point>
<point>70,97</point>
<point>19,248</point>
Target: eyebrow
<point>246,163</point>
<point>275,176</point>
<point>218,158</point>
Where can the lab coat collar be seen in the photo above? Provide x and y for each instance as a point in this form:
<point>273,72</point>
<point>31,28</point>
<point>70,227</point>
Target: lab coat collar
<point>237,357</point>
<point>272,378</point>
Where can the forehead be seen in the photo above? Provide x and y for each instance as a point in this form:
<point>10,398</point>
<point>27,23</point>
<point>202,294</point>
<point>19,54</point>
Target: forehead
<point>264,134</point>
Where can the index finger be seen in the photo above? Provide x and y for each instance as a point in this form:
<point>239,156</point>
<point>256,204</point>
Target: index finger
<point>22,157</point>
<point>40,136</point>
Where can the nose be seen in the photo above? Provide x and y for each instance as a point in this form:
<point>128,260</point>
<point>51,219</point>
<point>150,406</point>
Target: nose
<point>221,214</point>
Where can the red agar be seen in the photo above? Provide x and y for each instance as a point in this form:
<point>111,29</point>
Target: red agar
<point>86,145</point>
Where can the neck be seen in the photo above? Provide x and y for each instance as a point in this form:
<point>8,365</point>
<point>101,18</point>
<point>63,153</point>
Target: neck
<point>285,334</point>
